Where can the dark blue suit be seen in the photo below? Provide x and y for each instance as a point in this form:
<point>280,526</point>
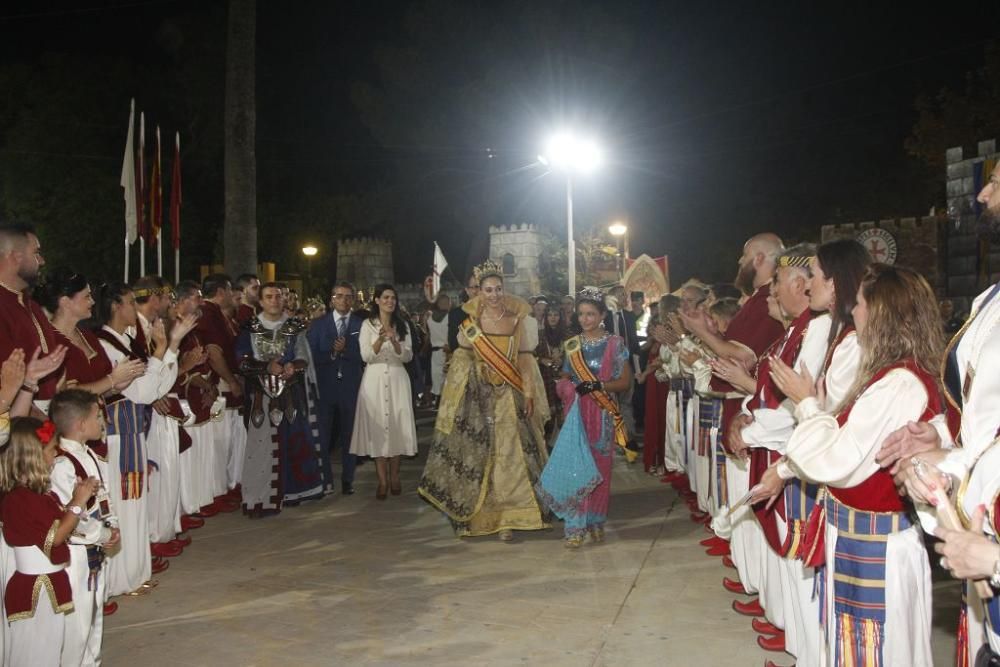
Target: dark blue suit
<point>338,398</point>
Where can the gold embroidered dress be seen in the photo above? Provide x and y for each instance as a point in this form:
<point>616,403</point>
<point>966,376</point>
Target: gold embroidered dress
<point>487,456</point>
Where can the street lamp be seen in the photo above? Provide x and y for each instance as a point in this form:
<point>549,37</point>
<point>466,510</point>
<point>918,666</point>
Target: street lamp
<point>619,229</point>
<point>571,154</point>
<point>309,251</point>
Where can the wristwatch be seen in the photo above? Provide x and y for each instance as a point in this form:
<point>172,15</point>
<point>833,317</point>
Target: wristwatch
<point>75,510</point>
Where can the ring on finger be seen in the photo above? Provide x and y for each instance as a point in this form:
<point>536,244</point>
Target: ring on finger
<point>944,563</point>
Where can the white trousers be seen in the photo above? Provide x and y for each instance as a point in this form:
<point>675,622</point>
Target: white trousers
<point>84,629</point>
<point>196,491</point>
<point>237,447</point>
<point>131,566</point>
<point>219,461</point>
<point>164,488</point>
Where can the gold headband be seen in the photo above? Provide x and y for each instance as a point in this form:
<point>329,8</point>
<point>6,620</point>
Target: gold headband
<point>797,262</point>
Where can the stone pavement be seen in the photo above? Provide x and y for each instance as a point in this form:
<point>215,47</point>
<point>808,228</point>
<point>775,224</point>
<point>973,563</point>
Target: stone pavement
<point>355,581</point>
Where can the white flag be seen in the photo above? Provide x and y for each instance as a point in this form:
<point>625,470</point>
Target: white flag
<point>128,181</point>
<point>440,263</point>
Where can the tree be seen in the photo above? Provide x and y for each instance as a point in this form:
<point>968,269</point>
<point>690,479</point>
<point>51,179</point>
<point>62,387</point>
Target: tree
<point>957,118</point>
<point>240,245</point>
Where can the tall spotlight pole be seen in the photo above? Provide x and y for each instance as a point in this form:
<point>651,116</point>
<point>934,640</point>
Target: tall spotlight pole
<point>619,230</point>
<point>568,153</point>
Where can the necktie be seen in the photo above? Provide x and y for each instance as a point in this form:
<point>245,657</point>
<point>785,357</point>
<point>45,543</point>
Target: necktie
<point>341,326</point>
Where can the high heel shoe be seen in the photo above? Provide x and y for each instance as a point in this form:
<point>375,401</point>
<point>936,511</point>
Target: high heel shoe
<point>380,493</point>
<point>396,488</point>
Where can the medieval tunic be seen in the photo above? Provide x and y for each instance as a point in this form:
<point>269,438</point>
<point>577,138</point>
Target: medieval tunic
<point>127,460</point>
<point>85,626</point>
<point>487,456</point>
<point>383,421</point>
<point>869,537</point>
<point>24,325</point>
<point>282,450</point>
<point>37,596</point>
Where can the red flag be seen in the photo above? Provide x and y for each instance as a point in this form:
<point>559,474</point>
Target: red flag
<point>140,180</point>
<point>155,196</point>
<point>175,195</point>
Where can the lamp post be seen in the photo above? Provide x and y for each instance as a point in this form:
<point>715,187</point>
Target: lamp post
<point>570,154</point>
<point>309,251</point>
<point>619,230</point>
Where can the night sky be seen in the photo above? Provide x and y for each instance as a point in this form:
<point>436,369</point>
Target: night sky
<point>718,119</point>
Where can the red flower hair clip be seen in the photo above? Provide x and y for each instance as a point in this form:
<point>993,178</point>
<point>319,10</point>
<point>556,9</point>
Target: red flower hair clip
<point>45,432</point>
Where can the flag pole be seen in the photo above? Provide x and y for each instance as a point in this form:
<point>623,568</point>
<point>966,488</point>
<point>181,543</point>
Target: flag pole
<point>175,207</point>
<point>158,194</point>
<point>141,188</point>
<point>125,279</point>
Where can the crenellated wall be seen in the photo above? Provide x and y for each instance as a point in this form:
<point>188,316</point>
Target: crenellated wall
<point>365,261</point>
<point>918,241</point>
<point>973,263</point>
<point>522,244</point>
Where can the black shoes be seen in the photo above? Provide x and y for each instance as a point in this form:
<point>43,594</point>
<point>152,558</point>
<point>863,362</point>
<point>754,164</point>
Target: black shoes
<point>347,488</point>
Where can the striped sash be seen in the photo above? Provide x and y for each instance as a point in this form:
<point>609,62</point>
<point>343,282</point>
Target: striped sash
<point>127,420</point>
<point>492,356</point>
<point>800,499</point>
<point>859,580</point>
<point>574,352</point>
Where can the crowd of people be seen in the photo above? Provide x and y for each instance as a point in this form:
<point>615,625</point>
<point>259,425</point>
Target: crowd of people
<point>799,413</point>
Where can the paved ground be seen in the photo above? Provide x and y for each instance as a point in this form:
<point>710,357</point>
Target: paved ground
<point>355,581</point>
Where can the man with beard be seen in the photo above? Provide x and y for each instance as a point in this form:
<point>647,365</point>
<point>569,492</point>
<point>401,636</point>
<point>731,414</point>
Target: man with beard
<point>971,379</point>
<point>249,285</point>
<point>749,334</point>
<point>24,324</point>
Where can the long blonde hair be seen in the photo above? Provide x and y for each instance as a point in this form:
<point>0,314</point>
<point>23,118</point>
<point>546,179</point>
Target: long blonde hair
<point>903,323</point>
<point>22,462</point>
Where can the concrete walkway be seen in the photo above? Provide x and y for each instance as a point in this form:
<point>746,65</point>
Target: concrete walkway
<point>355,581</point>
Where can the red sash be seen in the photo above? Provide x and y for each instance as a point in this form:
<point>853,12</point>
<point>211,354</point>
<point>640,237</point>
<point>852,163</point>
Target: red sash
<point>770,397</point>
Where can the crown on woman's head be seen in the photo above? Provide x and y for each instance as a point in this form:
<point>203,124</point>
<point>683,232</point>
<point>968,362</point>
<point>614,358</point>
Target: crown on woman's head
<point>487,269</point>
<point>590,293</point>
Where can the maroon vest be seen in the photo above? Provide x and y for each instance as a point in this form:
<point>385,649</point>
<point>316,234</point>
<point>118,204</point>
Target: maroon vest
<point>878,493</point>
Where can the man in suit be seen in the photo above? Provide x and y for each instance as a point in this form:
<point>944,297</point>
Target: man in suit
<point>620,321</point>
<point>333,340</point>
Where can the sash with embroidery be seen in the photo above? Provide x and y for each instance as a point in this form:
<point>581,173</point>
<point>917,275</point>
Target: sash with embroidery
<point>574,352</point>
<point>130,422</point>
<point>492,356</point>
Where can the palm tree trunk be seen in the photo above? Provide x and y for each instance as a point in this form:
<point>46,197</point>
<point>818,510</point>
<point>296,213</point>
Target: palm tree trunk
<point>240,233</point>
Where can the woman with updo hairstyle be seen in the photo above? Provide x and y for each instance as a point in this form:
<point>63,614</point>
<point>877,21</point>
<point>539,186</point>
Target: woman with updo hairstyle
<point>576,483</point>
<point>67,295</point>
<point>489,443</point>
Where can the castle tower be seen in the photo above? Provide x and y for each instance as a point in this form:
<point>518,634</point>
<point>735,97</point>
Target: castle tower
<point>365,262</point>
<point>518,248</point>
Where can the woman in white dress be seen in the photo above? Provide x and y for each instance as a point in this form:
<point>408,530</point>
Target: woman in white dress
<point>384,427</point>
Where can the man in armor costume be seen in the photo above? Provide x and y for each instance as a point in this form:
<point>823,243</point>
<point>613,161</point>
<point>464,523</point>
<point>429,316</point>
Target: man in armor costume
<point>282,456</point>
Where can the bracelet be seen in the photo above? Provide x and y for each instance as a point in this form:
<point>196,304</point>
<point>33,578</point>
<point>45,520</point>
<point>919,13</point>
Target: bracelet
<point>995,579</point>
<point>29,386</point>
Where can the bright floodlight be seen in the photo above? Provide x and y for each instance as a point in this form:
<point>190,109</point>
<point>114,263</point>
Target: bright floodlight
<point>309,250</point>
<point>568,152</point>
<point>618,229</point>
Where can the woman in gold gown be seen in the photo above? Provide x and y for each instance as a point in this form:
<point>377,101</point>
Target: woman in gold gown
<point>489,444</point>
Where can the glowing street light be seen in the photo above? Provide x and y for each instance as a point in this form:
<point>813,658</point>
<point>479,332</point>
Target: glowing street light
<point>309,250</point>
<point>618,229</point>
<point>571,154</point>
